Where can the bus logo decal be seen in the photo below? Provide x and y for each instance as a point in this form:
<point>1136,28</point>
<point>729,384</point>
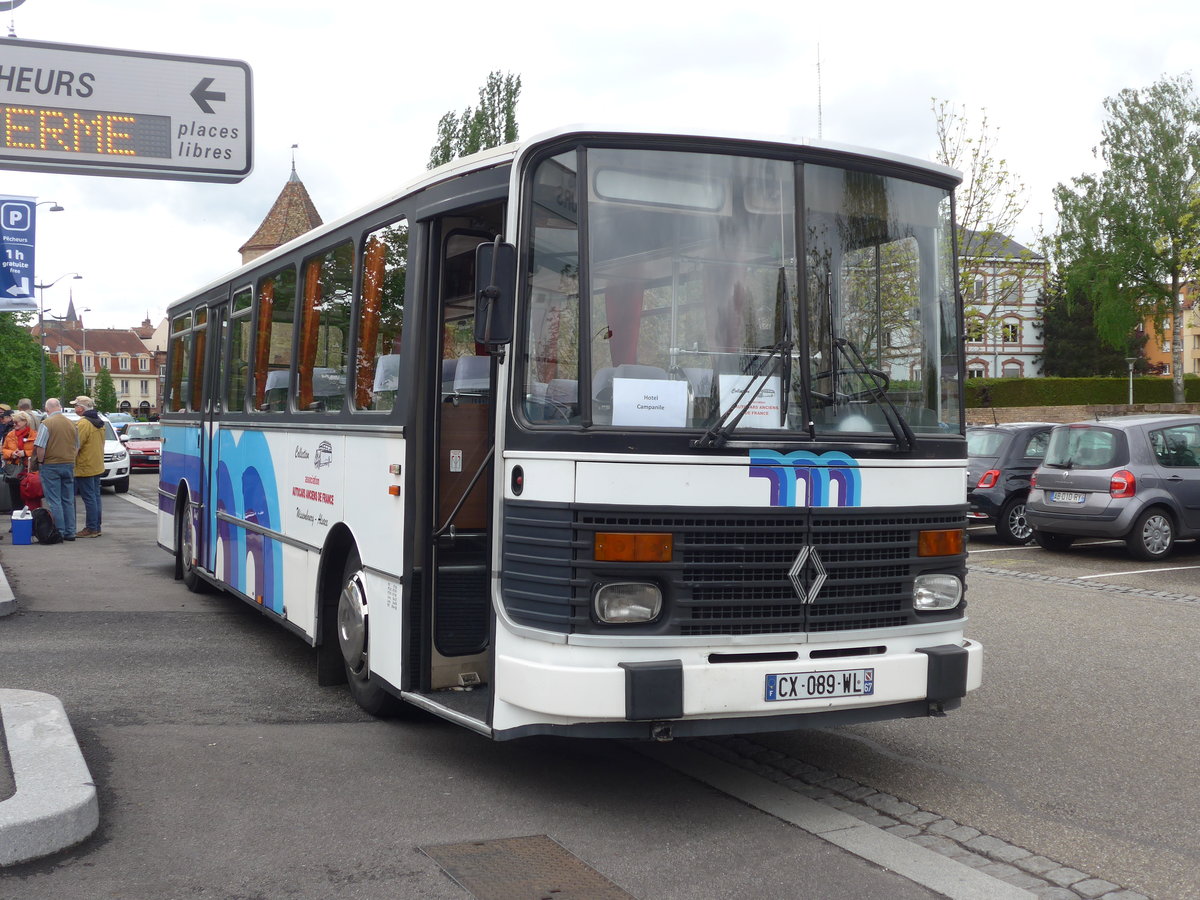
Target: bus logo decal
<point>803,478</point>
<point>324,455</point>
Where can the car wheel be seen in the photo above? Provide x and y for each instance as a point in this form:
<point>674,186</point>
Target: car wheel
<point>121,486</point>
<point>1048,540</point>
<point>1153,535</point>
<point>1012,526</point>
<point>353,624</point>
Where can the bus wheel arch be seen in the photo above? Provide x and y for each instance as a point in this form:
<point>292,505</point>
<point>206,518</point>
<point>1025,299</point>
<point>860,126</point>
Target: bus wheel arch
<point>346,628</point>
<point>185,542</point>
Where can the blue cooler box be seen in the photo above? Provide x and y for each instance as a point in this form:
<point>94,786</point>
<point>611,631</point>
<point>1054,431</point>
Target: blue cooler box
<point>22,531</point>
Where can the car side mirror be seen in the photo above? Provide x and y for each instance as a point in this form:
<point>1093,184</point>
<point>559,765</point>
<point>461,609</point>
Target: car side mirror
<point>123,438</point>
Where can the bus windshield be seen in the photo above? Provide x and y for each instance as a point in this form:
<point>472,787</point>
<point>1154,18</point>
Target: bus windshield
<point>699,295</point>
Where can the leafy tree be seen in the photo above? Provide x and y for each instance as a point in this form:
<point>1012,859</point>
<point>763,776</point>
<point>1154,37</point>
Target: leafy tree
<point>20,359</point>
<point>106,391</point>
<point>73,383</point>
<point>1128,237</point>
<point>1072,346</point>
<point>491,123</point>
<point>988,206</point>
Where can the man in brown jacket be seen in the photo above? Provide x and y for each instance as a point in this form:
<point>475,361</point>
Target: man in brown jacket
<point>56,447</point>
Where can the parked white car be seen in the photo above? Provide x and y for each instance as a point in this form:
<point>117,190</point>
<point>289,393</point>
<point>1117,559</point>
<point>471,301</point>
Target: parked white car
<point>116,457</point>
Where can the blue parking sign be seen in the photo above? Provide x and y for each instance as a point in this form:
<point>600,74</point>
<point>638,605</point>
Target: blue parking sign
<point>17,230</point>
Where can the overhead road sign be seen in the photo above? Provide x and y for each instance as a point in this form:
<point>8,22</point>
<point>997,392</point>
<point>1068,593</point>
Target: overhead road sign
<point>97,111</point>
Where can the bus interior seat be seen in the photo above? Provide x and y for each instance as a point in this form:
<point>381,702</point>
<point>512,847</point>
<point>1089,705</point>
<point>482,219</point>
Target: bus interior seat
<point>472,375</point>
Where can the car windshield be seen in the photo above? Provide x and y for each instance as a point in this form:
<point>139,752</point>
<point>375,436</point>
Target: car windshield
<point>701,295</point>
<point>986,443</point>
<point>1084,447</point>
<point>144,432</point>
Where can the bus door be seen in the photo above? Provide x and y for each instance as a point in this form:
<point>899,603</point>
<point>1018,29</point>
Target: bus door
<point>210,348</point>
<point>463,460</point>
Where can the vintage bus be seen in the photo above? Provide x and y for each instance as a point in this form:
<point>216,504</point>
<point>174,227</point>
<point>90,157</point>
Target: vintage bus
<point>599,434</point>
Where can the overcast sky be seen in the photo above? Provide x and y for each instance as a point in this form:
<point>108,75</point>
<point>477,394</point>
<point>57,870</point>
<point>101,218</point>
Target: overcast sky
<point>361,84</point>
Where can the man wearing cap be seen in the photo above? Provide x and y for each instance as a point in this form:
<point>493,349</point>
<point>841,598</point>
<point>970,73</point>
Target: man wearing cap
<point>6,421</point>
<point>89,463</point>
<point>56,447</point>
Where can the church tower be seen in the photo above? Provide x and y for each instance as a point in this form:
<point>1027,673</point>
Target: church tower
<point>292,215</point>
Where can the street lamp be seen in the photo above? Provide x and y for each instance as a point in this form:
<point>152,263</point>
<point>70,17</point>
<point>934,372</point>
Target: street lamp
<point>1130,360</point>
<point>42,321</point>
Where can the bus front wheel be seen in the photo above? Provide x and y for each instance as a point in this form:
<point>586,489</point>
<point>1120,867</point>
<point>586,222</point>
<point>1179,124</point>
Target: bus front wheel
<point>353,634</point>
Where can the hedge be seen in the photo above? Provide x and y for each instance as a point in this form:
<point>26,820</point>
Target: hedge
<point>1001,392</point>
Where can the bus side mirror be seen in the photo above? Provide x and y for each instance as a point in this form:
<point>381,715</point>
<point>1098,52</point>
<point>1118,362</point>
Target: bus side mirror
<point>495,292</point>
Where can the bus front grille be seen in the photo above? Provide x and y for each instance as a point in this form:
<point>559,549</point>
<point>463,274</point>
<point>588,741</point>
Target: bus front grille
<point>730,574</point>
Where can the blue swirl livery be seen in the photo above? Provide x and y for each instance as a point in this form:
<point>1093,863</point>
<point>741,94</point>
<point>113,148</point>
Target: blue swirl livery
<point>802,478</point>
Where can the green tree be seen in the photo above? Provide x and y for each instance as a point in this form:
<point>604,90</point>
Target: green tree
<point>106,391</point>
<point>988,207</point>
<point>72,384</point>
<point>1128,237</point>
<point>20,359</point>
<point>491,123</point>
<point>1072,346</point>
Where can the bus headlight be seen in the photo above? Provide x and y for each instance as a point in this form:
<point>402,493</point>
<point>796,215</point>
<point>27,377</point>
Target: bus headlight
<point>622,603</point>
<point>936,592</point>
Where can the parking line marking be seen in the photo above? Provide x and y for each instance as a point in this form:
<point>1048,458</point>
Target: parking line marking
<point>1004,549</point>
<point>1137,572</point>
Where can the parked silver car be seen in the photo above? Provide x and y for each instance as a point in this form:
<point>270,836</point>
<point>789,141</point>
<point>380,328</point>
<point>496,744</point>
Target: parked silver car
<point>1135,477</point>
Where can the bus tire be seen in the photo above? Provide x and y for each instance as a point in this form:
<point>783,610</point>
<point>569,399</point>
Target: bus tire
<point>353,636</point>
<point>185,548</point>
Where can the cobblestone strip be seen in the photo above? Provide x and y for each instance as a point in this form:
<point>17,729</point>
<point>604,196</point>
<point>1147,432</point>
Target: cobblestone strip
<point>1090,585</point>
<point>1015,865</point>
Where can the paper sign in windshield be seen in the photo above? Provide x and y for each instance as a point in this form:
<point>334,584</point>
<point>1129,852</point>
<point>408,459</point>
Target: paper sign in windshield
<point>764,409</point>
<point>650,403</point>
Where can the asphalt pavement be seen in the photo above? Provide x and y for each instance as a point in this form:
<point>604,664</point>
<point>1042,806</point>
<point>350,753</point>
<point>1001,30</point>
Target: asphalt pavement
<point>650,828</point>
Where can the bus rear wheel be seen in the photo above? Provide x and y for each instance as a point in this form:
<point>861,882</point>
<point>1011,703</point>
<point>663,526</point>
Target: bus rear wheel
<point>185,548</point>
<point>353,634</point>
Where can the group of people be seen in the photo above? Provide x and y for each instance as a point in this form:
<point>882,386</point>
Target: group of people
<point>68,456</point>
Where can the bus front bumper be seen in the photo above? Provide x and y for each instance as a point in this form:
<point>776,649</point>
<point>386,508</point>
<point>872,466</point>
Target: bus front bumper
<point>701,685</point>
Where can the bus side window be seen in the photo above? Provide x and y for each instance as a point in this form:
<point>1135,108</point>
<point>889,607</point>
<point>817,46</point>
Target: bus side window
<point>273,341</point>
<point>239,352</point>
<point>178,387</point>
<point>325,330</point>
<point>381,318</point>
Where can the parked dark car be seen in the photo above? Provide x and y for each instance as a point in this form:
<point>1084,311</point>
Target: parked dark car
<point>1001,461</point>
<point>1136,478</point>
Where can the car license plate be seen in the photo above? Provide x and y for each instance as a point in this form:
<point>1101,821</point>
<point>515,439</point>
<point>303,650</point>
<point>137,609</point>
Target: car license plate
<point>153,457</point>
<point>814,685</point>
<point>1066,496</point>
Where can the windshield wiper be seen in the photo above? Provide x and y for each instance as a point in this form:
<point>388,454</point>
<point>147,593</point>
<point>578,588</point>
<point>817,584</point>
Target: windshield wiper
<point>879,381</point>
<point>718,433</point>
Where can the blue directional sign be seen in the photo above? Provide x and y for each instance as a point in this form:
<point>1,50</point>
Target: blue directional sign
<point>17,232</point>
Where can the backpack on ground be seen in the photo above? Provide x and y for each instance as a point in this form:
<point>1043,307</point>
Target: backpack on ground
<point>44,528</point>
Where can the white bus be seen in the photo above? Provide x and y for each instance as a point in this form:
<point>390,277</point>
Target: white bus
<point>600,434</point>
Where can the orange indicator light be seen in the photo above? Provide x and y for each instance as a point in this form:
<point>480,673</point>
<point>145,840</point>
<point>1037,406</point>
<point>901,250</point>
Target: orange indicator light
<point>627,547</point>
<point>940,543</point>
<point>394,490</point>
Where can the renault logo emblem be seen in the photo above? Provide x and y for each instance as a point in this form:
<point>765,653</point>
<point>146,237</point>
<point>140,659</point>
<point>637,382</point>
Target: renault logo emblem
<point>807,567</point>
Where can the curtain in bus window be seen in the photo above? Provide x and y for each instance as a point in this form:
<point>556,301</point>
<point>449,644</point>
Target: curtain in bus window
<point>368,323</point>
<point>199,343</point>
<point>262,349</point>
<point>239,345</point>
<point>310,322</point>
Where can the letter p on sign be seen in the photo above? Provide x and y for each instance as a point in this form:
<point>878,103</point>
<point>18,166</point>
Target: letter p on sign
<point>15,216</point>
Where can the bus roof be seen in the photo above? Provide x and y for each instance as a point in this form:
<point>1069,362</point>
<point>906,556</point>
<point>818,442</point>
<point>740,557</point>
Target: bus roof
<point>496,156</point>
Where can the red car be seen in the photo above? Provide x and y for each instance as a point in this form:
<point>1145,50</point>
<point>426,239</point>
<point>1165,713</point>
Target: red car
<point>143,440</point>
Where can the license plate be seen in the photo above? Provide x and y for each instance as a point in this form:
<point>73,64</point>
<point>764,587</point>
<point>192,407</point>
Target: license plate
<point>1066,497</point>
<point>153,457</point>
<point>814,685</point>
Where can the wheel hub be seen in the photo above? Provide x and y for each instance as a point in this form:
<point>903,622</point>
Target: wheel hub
<point>352,624</point>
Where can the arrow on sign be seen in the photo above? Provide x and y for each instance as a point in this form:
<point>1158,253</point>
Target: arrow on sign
<point>20,290</point>
<point>201,94</point>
